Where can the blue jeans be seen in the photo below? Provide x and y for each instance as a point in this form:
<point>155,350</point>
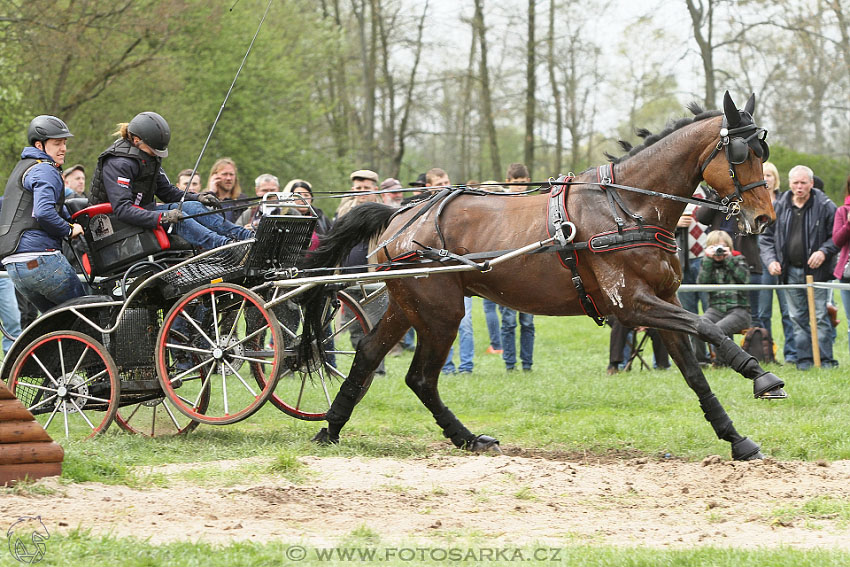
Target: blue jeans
<point>526,338</point>
<point>209,231</point>
<point>10,316</point>
<point>691,301</point>
<point>467,345</point>
<point>799,307</point>
<point>789,351</point>
<point>493,328</point>
<point>47,284</point>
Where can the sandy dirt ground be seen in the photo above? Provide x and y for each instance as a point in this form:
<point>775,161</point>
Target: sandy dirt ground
<point>519,498</point>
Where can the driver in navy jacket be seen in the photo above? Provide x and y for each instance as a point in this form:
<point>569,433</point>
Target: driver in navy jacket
<point>129,176</point>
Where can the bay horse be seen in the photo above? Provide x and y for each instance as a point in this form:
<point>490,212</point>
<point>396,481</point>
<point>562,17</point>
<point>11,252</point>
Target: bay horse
<point>624,262</point>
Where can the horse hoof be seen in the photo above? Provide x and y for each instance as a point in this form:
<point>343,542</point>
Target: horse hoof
<point>483,444</point>
<point>746,450</point>
<point>323,437</point>
<point>768,386</point>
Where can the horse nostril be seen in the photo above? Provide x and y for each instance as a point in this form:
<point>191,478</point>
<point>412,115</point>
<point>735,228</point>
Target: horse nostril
<point>762,221</point>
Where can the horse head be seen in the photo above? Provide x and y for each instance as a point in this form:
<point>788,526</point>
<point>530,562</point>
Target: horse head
<point>737,176</point>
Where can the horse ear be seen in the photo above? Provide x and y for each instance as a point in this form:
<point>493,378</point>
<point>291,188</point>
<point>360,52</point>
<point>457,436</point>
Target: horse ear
<point>750,107</point>
<point>731,111</point>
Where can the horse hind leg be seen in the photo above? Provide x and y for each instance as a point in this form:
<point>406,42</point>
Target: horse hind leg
<point>370,351</point>
<point>680,349</point>
<point>435,336</point>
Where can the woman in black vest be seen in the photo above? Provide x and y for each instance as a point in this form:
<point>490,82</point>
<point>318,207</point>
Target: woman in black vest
<point>129,176</point>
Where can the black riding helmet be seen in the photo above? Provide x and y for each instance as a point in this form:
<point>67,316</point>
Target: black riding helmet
<point>153,130</point>
<point>46,127</point>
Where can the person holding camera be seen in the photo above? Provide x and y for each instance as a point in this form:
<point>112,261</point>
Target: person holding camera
<point>722,264</point>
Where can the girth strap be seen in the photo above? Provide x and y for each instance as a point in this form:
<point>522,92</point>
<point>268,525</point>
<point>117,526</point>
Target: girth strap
<point>557,219</point>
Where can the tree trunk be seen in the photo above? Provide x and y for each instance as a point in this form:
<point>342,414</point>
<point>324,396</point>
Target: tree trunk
<point>703,16</point>
<point>531,88</point>
<point>556,91</point>
<point>486,97</point>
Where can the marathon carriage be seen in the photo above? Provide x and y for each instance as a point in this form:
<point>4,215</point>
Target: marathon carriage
<point>172,338</point>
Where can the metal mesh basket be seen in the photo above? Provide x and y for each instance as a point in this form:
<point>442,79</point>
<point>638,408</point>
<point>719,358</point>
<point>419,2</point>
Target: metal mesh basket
<point>226,265</point>
<point>280,241</point>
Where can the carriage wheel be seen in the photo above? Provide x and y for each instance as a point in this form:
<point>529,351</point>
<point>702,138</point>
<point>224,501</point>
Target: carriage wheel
<point>306,395</point>
<point>158,417</point>
<point>69,382</point>
<point>222,322</point>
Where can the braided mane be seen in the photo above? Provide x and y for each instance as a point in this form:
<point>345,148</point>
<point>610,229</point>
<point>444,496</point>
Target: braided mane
<point>649,138</point>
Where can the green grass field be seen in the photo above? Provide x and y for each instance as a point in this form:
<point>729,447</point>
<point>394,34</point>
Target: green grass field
<point>566,404</point>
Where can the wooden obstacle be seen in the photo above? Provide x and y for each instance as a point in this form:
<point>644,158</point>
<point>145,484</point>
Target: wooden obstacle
<point>26,450</point>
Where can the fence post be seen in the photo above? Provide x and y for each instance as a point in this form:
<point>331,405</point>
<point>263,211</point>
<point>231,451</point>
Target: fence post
<point>813,322</point>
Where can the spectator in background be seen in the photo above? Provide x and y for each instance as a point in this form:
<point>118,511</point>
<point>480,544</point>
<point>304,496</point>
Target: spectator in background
<point>722,264</point>
<point>304,197</point>
<point>75,181</point>
<point>362,181</point>
<point>800,243</point>
<point>265,183</point>
<point>491,315</point>
<point>745,244</point>
<point>395,198</point>
<point>223,182</point>
<point>418,192</point>
<point>841,238</point>
<point>619,341</point>
<point>517,173</point>
<point>765,303</point>
<point>690,236</point>
<point>183,180</point>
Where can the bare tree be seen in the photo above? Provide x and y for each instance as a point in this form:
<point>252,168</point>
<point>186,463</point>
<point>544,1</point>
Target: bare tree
<point>531,87</point>
<point>556,91</point>
<point>486,96</point>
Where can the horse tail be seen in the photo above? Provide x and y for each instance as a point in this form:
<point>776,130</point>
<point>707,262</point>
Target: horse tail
<point>361,223</point>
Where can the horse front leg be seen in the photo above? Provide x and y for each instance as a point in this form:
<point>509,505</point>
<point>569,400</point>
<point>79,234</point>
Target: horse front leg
<point>649,310</point>
<point>682,352</point>
<point>766,385</point>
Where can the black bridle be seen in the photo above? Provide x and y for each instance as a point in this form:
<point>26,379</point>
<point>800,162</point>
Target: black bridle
<point>737,143</point>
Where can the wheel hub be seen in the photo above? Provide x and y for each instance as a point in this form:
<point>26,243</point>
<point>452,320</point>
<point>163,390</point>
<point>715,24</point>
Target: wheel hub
<point>69,387</point>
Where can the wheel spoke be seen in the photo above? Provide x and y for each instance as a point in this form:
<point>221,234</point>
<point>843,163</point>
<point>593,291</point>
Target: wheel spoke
<point>65,417</point>
<point>52,415</point>
<point>80,360</point>
<point>236,320</point>
<point>224,388</point>
<point>89,398</point>
<point>171,415</point>
<point>249,359</point>
<point>80,411</point>
<point>44,369</point>
<point>239,376</point>
<point>215,318</point>
<point>136,409</point>
<point>61,358</point>
<point>187,348</point>
<point>42,402</point>
<point>199,329</point>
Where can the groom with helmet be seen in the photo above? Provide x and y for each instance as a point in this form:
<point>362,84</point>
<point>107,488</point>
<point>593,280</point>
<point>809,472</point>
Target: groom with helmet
<point>33,223</point>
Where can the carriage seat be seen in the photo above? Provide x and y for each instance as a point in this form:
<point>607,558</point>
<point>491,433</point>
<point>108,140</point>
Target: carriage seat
<point>76,204</point>
<point>114,245</point>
